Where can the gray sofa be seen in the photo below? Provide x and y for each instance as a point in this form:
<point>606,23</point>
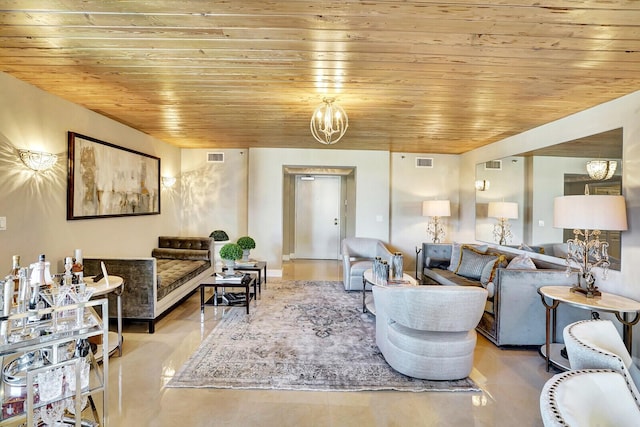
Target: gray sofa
<point>514,314</point>
<point>154,285</point>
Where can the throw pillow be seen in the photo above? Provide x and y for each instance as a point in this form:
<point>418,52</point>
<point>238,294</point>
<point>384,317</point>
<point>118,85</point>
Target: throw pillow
<point>456,254</point>
<point>523,262</point>
<point>489,270</point>
<point>455,257</point>
<point>472,263</point>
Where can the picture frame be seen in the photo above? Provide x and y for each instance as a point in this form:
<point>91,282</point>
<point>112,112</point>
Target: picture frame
<point>105,180</point>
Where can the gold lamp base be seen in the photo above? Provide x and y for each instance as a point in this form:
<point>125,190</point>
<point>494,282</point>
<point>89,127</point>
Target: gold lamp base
<point>588,292</point>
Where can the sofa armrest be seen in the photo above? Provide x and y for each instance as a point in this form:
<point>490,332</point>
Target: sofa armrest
<point>518,306</point>
<point>436,255</point>
<point>140,284</point>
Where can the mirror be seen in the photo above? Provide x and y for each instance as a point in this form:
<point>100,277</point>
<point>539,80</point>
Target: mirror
<point>532,180</point>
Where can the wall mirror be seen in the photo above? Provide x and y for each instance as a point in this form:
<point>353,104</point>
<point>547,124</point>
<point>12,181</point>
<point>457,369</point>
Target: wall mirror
<point>532,180</point>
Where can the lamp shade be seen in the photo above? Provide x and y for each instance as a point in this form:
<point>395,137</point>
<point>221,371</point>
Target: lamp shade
<point>508,210</point>
<point>436,208</point>
<point>590,212</point>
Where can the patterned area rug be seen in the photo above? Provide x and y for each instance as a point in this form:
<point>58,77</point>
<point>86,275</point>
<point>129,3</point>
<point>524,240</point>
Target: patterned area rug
<point>301,336</point>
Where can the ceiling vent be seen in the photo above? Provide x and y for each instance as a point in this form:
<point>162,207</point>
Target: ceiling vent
<point>494,165</point>
<point>424,162</point>
<point>215,157</point>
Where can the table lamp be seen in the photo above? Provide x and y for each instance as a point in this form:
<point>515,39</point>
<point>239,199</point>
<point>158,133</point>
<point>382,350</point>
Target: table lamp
<point>587,215</point>
<point>436,209</point>
<point>503,211</point>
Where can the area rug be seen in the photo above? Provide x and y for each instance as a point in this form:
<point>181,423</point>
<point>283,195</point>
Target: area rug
<point>301,336</point>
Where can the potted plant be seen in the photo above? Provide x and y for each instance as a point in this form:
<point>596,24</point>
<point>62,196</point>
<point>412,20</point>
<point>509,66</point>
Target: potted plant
<point>246,243</point>
<point>219,236</point>
<point>230,252</point>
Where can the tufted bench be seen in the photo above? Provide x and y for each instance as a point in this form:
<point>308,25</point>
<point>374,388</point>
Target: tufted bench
<point>155,285</point>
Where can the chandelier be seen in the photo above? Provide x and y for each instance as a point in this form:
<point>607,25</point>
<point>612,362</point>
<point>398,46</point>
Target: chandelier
<point>601,169</point>
<point>329,122</point>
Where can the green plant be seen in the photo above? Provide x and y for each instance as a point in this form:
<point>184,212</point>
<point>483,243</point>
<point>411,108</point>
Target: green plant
<point>246,242</point>
<point>231,251</point>
<point>219,236</point>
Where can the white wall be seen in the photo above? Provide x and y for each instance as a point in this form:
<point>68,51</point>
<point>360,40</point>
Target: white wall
<point>410,186</point>
<point>265,214</point>
<point>35,204</point>
<point>505,185</point>
<point>214,194</point>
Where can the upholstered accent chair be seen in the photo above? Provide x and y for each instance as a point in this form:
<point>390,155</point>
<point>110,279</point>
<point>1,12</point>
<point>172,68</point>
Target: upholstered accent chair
<point>596,344</point>
<point>589,397</point>
<point>358,254</point>
<point>428,331</point>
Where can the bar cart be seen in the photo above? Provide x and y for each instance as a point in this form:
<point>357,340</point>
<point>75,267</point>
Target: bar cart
<point>50,376</point>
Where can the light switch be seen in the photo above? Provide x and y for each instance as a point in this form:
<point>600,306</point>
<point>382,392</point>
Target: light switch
<point>3,222</point>
<point>540,223</point>
<point>378,218</point>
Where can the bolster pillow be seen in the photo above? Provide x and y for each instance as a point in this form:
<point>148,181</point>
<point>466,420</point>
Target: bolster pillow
<point>191,254</point>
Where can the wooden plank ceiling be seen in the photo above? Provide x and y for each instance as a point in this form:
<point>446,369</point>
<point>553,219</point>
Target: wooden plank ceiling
<point>413,76</point>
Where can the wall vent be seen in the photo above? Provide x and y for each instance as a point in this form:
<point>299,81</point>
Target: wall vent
<point>424,162</point>
<point>494,165</point>
<point>215,157</point>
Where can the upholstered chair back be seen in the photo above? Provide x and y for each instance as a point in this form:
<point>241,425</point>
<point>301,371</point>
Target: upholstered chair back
<point>589,397</point>
<point>433,307</point>
<point>596,344</point>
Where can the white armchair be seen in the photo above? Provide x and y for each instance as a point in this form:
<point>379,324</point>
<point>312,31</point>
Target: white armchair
<point>428,332</point>
<point>589,397</point>
<point>596,344</point>
<point>358,254</point>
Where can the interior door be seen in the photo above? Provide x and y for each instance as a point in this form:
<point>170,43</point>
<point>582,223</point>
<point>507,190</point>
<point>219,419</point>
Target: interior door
<point>317,217</point>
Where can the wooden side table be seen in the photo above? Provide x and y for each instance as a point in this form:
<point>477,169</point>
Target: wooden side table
<point>620,306</point>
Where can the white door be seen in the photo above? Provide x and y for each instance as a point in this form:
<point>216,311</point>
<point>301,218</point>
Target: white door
<point>317,223</point>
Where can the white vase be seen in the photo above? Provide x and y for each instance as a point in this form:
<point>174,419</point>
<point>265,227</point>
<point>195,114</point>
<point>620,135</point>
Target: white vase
<point>245,254</point>
<point>229,263</point>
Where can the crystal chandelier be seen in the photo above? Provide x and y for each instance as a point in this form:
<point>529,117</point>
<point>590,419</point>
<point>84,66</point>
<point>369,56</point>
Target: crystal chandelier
<point>601,169</point>
<point>329,122</point>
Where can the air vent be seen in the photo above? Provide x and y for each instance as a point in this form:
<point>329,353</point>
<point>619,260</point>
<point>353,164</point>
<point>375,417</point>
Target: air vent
<point>494,165</point>
<point>424,162</point>
<point>215,157</point>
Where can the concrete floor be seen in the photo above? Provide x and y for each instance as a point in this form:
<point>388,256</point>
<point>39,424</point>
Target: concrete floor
<point>511,381</point>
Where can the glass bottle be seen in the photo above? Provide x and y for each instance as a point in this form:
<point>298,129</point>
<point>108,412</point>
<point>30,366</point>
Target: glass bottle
<point>78,267</point>
<point>14,275</point>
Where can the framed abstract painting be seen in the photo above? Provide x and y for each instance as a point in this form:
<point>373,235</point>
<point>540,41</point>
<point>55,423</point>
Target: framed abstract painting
<point>105,180</point>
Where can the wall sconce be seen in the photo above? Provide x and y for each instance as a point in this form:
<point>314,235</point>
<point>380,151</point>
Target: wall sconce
<point>482,184</point>
<point>37,160</point>
<point>168,181</point>
<point>587,215</point>
<point>503,211</point>
<point>436,209</point>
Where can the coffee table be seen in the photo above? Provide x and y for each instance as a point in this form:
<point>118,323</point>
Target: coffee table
<point>212,282</point>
